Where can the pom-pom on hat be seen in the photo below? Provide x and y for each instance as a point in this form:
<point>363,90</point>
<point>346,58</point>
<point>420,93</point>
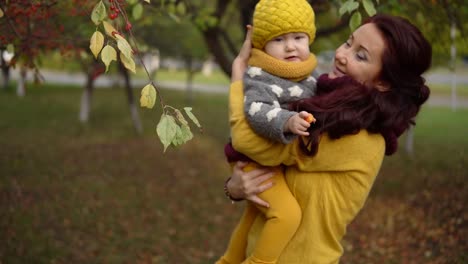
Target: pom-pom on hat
<point>276,17</point>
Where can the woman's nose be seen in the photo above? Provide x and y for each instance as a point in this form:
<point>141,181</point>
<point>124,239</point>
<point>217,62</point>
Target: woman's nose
<point>340,57</point>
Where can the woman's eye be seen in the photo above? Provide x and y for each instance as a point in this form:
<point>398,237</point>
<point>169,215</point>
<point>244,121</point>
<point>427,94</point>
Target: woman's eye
<point>361,56</point>
<point>347,44</point>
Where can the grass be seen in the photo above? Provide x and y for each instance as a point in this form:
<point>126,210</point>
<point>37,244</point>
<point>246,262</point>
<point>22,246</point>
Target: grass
<point>100,193</point>
<point>446,90</point>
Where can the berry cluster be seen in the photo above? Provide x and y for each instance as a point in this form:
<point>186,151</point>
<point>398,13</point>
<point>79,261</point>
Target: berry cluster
<point>115,9</point>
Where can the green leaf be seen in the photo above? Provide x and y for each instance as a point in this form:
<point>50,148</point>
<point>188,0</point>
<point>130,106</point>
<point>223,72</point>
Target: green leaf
<point>355,21</point>
<point>123,46</point>
<point>353,6</point>
<point>211,21</point>
<point>108,55</point>
<point>148,96</point>
<point>99,13</point>
<point>344,8</point>
<point>183,134</point>
<point>10,48</point>
<point>188,111</point>
<point>97,42</point>
<point>181,10</point>
<point>166,130</point>
<point>177,140</point>
<point>369,7</point>
<point>137,11</point>
<point>171,8</point>
<point>186,133</point>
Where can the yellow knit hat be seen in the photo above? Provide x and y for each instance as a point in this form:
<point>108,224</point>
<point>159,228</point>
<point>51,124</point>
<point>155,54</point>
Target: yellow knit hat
<point>276,17</point>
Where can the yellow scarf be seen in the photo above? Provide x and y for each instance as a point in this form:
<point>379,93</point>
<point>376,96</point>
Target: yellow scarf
<point>293,71</point>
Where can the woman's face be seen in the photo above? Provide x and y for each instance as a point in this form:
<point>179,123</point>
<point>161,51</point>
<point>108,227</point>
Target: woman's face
<point>360,57</point>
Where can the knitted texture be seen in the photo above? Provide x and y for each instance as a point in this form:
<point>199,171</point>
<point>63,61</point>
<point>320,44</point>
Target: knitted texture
<point>293,71</point>
<point>277,17</point>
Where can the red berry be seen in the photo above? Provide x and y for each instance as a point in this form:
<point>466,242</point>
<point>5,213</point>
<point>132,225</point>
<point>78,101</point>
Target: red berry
<point>128,26</point>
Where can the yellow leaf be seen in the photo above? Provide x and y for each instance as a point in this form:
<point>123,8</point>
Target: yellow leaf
<point>97,42</point>
<point>129,63</point>
<point>147,1</point>
<point>108,55</point>
<point>1,12</point>
<point>109,29</point>
<point>148,96</point>
<point>124,47</point>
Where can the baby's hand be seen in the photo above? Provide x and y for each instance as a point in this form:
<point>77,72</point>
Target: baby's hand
<point>299,123</point>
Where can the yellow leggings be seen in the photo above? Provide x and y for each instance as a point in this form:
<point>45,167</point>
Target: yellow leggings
<point>282,220</point>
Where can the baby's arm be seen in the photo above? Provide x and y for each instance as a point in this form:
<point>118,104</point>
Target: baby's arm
<point>299,123</point>
<point>264,113</point>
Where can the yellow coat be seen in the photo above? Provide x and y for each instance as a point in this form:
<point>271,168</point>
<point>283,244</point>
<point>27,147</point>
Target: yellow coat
<point>330,187</point>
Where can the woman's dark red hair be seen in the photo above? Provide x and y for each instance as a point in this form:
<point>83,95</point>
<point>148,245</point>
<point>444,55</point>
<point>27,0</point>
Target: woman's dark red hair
<point>342,106</point>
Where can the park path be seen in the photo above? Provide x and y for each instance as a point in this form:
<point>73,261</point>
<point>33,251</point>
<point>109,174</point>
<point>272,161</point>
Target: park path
<point>108,81</point>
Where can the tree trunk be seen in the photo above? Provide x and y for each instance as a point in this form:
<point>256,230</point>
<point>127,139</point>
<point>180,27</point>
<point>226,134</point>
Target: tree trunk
<point>212,38</point>
<point>222,48</point>
<point>5,71</point>
<point>131,102</point>
<point>21,87</point>
<point>85,108</point>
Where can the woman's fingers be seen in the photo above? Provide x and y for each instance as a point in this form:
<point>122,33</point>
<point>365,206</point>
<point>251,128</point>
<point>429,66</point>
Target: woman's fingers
<point>239,65</point>
<point>247,45</point>
<point>249,184</point>
<point>261,178</point>
<point>257,200</point>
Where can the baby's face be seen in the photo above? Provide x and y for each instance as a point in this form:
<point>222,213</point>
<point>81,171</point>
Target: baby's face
<point>292,47</point>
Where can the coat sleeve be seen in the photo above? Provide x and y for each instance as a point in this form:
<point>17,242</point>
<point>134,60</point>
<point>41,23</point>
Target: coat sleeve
<point>333,154</point>
<point>245,140</point>
<point>263,111</point>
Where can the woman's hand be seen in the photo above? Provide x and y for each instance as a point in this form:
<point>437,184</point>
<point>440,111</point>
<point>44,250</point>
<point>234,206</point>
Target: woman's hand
<point>239,65</point>
<point>246,185</point>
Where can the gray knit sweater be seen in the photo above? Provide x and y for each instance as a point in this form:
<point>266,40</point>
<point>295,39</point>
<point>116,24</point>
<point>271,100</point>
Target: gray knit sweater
<point>266,101</point>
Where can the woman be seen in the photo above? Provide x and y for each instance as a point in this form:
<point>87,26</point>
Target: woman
<point>374,92</point>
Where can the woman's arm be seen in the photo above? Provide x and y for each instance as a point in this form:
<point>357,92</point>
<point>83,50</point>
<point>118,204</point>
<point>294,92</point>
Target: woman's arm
<point>262,150</point>
<point>244,140</point>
